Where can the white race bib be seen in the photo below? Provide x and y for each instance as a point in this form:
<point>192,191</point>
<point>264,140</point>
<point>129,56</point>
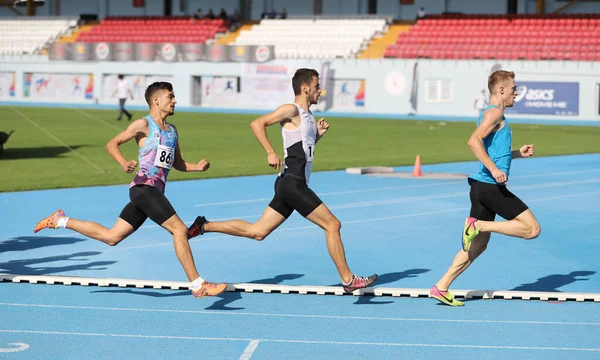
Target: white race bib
<point>164,156</point>
<point>310,152</point>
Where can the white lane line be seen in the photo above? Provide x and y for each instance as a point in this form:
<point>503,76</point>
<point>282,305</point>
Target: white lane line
<point>98,119</point>
<point>220,219</point>
<point>19,347</point>
<point>98,168</point>
<point>115,249</point>
<point>305,316</point>
<point>345,222</point>
<point>320,342</point>
<point>250,349</point>
<point>397,187</point>
<point>334,193</point>
<point>125,248</point>
<point>554,174</point>
<point>312,226</point>
<point>456,194</point>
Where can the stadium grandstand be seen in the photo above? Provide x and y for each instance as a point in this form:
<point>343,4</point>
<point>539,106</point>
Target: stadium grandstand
<point>154,29</point>
<point>33,34</point>
<point>530,36</point>
<point>295,37</point>
<point>428,118</point>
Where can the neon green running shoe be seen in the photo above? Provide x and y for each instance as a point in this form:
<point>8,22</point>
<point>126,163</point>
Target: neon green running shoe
<point>445,297</point>
<point>469,234</point>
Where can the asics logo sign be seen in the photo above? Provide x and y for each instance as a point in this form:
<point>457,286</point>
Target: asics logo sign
<point>533,94</point>
<point>546,98</point>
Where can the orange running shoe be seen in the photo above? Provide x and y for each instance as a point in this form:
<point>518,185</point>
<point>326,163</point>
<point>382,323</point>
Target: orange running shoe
<point>209,289</point>
<point>49,222</point>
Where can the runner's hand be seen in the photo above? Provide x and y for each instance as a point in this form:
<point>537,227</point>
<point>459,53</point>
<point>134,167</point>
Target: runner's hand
<point>274,161</point>
<point>500,176</point>
<point>322,126</point>
<point>203,165</point>
<point>527,150</point>
<point>130,166</point>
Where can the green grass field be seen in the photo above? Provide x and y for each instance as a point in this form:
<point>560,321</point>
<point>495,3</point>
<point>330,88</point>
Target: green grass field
<point>65,147</point>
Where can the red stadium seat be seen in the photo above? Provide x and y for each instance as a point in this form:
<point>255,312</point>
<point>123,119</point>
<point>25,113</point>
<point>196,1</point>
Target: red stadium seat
<point>138,29</point>
<point>534,37</point>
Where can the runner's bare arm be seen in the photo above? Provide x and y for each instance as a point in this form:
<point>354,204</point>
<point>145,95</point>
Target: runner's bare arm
<point>259,128</point>
<point>138,127</point>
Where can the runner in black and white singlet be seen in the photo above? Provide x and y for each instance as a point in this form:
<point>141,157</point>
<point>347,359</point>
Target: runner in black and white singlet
<point>299,146</point>
<point>291,187</point>
<point>300,132</point>
<point>158,153</point>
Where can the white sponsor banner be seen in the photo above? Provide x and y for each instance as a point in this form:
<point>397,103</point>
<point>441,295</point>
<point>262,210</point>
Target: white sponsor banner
<point>439,91</point>
<point>219,90</point>
<point>7,84</point>
<point>79,87</point>
<point>158,78</point>
<point>348,94</point>
<point>268,85</point>
<point>137,84</point>
<point>109,87</point>
<point>326,87</point>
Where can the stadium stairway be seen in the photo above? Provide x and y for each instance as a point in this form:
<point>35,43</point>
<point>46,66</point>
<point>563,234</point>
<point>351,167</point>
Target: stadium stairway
<point>377,47</point>
<point>230,37</point>
<point>73,36</point>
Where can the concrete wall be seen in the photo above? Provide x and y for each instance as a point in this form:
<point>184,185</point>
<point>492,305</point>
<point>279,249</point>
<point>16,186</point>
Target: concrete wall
<point>205,5</point>
<point>388,83</point>
<point>303,7</point>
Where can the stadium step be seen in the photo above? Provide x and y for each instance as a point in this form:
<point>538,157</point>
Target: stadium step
<point>377,47</point>
<point>230,37</point>
<point>73,36</point>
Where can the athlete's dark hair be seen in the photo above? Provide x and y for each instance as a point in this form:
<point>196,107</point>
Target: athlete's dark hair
<point>154,87</point>
<point>303,77</point>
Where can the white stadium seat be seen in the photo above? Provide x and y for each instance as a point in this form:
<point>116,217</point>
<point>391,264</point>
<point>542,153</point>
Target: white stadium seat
<point>310,38</point>
<point>29,35</point>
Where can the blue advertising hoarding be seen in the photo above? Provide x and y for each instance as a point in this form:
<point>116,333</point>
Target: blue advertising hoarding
<point>546,98</point>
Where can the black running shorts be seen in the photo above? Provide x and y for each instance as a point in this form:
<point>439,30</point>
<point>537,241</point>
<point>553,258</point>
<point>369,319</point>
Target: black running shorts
<point>487,200</point>
<point>292,193</point>
<point>146,202</point>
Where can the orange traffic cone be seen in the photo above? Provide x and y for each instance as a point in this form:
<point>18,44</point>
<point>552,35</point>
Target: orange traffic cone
<point>417,168</point>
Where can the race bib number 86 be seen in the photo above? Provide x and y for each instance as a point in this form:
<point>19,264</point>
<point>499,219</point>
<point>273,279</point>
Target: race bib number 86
<point>164,157</point>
